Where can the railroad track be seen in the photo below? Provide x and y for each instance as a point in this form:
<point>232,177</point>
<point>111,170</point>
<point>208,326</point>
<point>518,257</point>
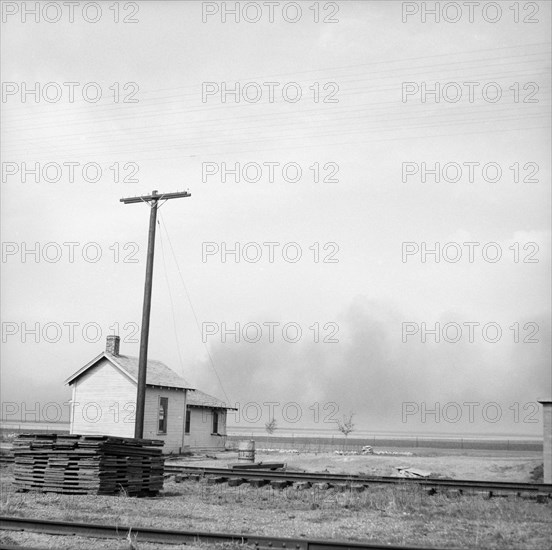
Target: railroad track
<point>467,486</point>
<point>495,487</point>
<point>170,536</point>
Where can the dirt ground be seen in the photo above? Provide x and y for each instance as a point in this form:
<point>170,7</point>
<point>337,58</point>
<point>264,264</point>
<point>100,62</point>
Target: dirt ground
<point>514,466</point>
<point>402,515</point>
<point>399,515</point>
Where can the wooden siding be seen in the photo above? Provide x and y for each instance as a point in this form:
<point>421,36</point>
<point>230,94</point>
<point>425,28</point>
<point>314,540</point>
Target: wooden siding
<point>103,402</point>
<point>103,391</point>
<point>201,425</point>
<point>175,418</point>
<point>547,441</point>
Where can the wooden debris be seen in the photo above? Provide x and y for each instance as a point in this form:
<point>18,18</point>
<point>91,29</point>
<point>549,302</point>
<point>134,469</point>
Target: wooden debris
<point>411,472</point>
<point>258,466</point>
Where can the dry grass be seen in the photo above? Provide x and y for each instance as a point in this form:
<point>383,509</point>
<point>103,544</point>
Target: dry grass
<point>69,543</point>
<point>393,515</point>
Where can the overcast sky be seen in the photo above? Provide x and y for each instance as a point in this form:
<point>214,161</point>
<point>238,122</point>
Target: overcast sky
<point>358,120</point>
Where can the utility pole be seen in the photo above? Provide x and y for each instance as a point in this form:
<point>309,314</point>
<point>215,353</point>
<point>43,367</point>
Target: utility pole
<point>153,202</point>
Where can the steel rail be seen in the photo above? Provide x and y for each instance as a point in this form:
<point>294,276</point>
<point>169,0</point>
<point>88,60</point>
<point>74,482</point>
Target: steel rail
<point>171,536</point>
<point>249,473</point>
<point>360,479</point>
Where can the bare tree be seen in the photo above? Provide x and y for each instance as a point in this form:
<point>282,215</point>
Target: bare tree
<point>271,426</point>
<point>346,425</point>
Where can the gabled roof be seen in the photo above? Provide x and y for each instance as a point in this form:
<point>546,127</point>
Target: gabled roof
<point>197,398</point>
<point>158,374</point>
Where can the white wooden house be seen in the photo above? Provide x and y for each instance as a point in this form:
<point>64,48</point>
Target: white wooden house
<point>103,402</point>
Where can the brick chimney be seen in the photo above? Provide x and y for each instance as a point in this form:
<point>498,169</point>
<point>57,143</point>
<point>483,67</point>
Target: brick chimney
<point>112,344</point>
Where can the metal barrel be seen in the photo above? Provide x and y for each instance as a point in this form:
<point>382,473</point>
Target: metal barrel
<point>246,451</point>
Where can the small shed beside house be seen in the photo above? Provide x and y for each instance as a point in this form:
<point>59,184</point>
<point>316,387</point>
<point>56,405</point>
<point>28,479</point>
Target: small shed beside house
<point>103,402</point>
<point>205,421</point>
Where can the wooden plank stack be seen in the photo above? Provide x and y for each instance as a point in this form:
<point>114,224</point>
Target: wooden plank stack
<point>88,464</point>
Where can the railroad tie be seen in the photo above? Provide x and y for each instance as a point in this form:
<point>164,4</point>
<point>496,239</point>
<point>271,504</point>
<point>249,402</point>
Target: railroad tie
<point>215,480</point>
<point>257,482</point>
<point>340,482</point>
<point>235,481</point>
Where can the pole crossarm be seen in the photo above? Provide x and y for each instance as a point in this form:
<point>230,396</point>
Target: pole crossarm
<point>153,201</point>
<point>155,197</point>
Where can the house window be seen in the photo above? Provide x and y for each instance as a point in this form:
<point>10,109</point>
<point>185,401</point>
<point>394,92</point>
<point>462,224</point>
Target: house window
<point>215,422</point>
<point>187,426</point>
<point>163,412</point>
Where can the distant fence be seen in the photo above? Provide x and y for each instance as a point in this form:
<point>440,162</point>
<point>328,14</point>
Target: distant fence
<point>325,444</point>
<point>54,428</point>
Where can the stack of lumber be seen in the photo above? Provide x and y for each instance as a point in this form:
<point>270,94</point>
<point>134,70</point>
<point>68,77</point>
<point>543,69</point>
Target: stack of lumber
<point>88,464</point>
